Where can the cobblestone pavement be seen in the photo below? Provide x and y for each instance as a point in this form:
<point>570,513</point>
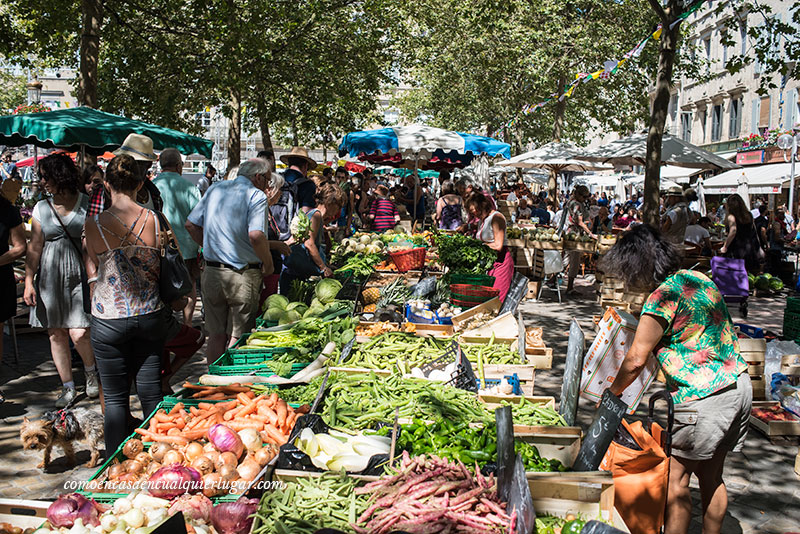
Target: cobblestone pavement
<point>763,489</point>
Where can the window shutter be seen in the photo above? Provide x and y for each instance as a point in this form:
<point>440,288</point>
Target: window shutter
<point>764,112</point>
<point>754,117</point>
<point>790,109</point>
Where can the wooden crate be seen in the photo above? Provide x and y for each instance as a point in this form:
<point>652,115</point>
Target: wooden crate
<point>540,357</point>
<point>533,289</point>
<point>618,304</point>
<point>790,364</point>
<point>585,494</point>
<point>560,443</point>
<point>582,246</point>
<point>23,513</point>
<point>797,463</point>
<point>774,428</point>
<point>755,369</point>
<point>434,330</point>
<point>532,259</point>
<point>759,388</point>
<point>752,350</point>
<point>544,245</point>
<point>492,305</point>
<point>518,242</point>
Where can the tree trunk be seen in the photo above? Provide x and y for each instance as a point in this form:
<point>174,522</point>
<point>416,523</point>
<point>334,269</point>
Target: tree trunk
<point>266,137</point>
<point>235,130</point>
<point>658,117</point>
<point>92,19</point>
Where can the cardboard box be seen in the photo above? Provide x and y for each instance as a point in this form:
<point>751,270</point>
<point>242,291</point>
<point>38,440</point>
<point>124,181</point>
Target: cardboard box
<point>602,362</point>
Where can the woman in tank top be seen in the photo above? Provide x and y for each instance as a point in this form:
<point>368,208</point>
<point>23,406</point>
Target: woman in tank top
<point>492,231</point>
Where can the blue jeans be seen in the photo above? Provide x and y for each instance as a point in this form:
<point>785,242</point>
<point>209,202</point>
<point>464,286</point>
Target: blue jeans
<point>127,350</point>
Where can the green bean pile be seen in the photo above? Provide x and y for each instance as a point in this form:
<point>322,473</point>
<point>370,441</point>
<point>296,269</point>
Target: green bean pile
<point>397,349</point>
<point>491,354</point>
<point>362,400</point>
<point>534,414</point>
<point>306,505</point>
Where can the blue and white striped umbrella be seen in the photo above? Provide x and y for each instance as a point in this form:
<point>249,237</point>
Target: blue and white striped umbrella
<point>422,146</point>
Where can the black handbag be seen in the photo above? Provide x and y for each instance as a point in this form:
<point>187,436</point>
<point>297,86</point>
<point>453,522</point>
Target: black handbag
<point>175,281</point>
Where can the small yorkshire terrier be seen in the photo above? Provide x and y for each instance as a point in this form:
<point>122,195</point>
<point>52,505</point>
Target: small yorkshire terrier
<point>61,428</point>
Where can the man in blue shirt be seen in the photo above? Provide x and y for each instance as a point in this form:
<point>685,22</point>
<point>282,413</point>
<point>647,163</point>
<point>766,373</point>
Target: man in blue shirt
<point>8,171</point>
<point>229,222</point>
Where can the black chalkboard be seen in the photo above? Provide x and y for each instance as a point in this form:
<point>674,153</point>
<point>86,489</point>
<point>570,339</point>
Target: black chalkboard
<point>347,350</point>
<point>505,450</point>
<point>598,527</point>
<point>174,524</point>
<point>600,433</point>
<point>517,291</point>
<point>520,500</point>
<point>570,387</point>
<point>320,393</point>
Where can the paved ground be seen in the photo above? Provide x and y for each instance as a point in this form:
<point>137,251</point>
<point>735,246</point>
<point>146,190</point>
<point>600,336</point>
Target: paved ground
<point>763,488</point>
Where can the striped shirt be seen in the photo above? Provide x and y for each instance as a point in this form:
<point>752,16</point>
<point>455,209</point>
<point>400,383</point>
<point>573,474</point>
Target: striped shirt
<point>384,213</point>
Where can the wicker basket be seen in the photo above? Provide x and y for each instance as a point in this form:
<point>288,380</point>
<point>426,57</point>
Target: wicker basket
<point>468,296</point>
<point>409,259</point>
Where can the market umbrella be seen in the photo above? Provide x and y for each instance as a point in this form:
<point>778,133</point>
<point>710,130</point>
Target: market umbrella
<point>632,151</point>
<point>743,190</point>
<point>420,147</point>
<point>555,157</point>
<point>27,162</point>
<point>92,130</point>
<point>701,197</point>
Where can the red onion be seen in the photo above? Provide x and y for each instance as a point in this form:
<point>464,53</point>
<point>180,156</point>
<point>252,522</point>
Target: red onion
<point>68,508</point>
<point>225,440</point>
<point>173,480</point>
<point>234,517</point>
<point>196,507</point>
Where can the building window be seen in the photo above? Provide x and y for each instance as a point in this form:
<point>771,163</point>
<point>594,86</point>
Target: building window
<point>707,47</point>
<point>701,116</point>
<point>391,116</point>
<point>743,36</point>
<point>735,126</point>
<point>763,114</point>
<point>716,123</point>
<point>686,126</point>
<point>204,118</point>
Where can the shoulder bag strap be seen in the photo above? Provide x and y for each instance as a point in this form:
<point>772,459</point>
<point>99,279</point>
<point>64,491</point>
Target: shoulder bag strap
<point>78,249</point>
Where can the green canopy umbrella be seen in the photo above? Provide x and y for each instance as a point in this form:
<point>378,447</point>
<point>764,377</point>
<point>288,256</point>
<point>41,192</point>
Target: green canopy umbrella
<point>95,131</point>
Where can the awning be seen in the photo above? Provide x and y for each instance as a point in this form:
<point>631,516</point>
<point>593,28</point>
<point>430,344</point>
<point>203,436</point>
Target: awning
<point>761,179</point>
<point>681,175</point>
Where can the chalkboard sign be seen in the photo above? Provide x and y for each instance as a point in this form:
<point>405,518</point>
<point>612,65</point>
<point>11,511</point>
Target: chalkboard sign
<point>520,500</point>
<point>505,450</point>
<point>517,291</point>
<point>174,524</point>
<point>347,350</point>
<point>600,433</point>
<point>570,387</point>
<point>598,527</point>
<point>320,393</point>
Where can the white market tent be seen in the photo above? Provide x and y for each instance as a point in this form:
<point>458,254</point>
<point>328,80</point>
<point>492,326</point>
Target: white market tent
<point>761,180</point>
<point>681,175</point>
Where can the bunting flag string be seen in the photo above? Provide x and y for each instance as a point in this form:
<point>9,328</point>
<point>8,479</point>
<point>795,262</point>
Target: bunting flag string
<point>609,68</point>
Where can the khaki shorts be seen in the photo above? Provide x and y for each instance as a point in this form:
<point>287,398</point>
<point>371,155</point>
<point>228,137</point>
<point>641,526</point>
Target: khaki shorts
<point>230,300</point>
<point>715,423</point>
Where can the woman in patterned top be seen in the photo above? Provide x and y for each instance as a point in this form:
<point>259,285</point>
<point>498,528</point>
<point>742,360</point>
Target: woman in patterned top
<point>686,324</point>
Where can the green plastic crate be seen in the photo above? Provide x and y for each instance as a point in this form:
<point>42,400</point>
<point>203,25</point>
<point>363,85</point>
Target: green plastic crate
<point>245,364</point>
<point>472,279</point>
<point>793,304</point>
<point>791,325</point>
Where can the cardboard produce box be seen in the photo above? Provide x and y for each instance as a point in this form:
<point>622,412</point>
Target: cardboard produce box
<point>601,364</point>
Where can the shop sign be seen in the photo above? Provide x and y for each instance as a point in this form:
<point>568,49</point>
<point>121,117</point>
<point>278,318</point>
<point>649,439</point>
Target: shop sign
<point>751,157</point>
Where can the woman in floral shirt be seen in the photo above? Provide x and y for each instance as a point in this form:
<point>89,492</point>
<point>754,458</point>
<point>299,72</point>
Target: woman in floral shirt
<point>686,324</point>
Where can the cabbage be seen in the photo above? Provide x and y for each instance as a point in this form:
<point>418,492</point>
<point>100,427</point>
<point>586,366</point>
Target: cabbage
<point>299,307</point>
<point>277,301</point>
<point>326,290</point>
<point>290,317</point>
<point>273,314</point>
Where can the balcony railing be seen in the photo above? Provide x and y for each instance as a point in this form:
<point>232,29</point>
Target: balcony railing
<point>723,146</point>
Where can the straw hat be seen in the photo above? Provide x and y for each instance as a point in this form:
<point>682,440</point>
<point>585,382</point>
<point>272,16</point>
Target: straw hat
<point>138,146</point>
<point>299,152</point>
<point>675,190</point>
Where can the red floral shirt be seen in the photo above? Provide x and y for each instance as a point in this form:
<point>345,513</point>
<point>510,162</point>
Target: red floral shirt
<point>699,352</point>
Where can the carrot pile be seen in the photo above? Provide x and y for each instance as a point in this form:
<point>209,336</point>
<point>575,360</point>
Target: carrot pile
<point>268,414</point>
<point>218,392</point>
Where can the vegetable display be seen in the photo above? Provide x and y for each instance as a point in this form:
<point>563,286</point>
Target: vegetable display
<point>431,494</point>
<point>467,444</point>
<point>396,348</point>
<point>302,394</point>
<point>305,339</point>
<point>463,254</point>
<point>527,412</point>
<point>360,401</point>
<point>396,292</point>
<point>306,505</point>
<point>490,353</point>
<point>216,392</point>
<point>278,308</point>
<point>300,227</point>
<point>361,265</point>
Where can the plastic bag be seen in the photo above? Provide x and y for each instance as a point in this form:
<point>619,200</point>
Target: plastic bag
<point>784,392</point>
<point>772,360</point>
<point>553,263</point>
<point>291,457</point>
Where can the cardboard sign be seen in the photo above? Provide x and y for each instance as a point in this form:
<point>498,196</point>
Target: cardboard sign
<point>602,362</point>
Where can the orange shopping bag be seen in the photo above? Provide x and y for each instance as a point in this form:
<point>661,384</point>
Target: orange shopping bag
<point>640,478</point>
